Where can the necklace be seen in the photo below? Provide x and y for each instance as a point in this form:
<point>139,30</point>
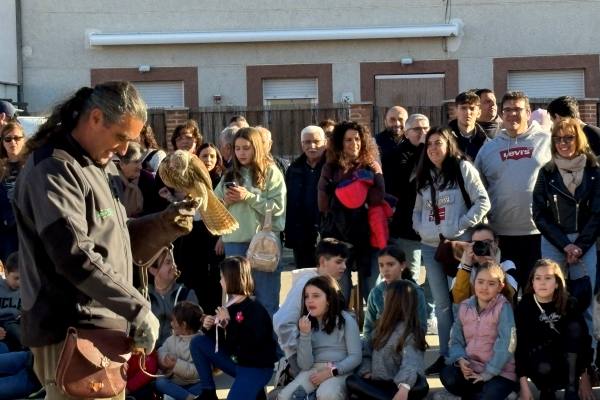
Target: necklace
<point>545,317</point>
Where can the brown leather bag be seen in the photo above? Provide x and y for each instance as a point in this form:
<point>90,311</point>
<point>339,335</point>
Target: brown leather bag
<point>93,363</point>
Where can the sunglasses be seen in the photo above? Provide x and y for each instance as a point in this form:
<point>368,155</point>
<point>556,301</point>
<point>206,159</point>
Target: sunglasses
<point>9,139</point>
<point>563,139</point>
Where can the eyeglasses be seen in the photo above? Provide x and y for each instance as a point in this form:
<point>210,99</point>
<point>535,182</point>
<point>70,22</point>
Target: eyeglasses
<point>9,139</point>
<point>563,139</point>
<point>309,142</point>
<point>511,110</point>
<point>419,128</point>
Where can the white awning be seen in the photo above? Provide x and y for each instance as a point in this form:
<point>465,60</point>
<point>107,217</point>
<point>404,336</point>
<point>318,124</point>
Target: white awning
<point>452,29</point>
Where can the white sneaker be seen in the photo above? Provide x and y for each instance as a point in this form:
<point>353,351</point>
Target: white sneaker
<point>445,395</point>
<point>432,328</point>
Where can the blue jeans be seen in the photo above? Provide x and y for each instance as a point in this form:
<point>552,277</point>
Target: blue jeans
<point>497,388</point>
<point>586,266</point>
<point>440,290</point>
<point>267,285</point>
<point>412,250</point>
<point>248,381</point>
<point>178,392</point>
<point>16,379</point>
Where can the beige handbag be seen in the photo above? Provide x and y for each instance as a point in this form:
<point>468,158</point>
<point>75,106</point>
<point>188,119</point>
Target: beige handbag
<point>264,251</point>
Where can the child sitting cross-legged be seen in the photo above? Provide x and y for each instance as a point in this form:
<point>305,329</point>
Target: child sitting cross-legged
<point>482,341</point>
<point>392,366</point>
<point>174,358</point>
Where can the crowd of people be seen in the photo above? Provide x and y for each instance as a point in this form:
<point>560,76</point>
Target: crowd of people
<point>502,212</point>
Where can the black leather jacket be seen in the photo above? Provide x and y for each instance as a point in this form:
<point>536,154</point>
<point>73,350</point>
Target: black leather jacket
<point>557,213</point>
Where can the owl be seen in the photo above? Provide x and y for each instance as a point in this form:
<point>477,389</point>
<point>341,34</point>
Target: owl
<point>186,173</point>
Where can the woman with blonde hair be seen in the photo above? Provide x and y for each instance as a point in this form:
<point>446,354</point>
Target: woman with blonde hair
<point>566,206</point>
<point>252,184</point>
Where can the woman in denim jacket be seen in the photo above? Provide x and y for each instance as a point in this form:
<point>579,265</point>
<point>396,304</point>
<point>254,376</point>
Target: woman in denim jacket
<point>445,167</point>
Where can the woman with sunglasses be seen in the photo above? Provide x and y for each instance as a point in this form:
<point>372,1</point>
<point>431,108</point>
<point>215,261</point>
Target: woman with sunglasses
<point>13,141</point>
<point>566,205</point>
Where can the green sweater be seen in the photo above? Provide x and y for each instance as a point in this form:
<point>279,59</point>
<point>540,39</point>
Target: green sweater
<point>250,212</point>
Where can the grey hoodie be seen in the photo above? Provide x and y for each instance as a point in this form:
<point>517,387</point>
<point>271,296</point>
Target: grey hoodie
<point>509,168</point>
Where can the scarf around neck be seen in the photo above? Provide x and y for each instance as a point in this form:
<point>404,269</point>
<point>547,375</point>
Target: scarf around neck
<point>571,170</point>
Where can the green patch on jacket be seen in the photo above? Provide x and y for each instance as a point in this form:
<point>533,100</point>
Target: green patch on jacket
<point>105,213</point>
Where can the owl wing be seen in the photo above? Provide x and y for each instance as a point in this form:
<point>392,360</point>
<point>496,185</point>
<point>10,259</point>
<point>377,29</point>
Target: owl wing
<point>215,215</point>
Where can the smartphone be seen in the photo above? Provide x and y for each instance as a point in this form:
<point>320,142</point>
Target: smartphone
<point>230,185</point>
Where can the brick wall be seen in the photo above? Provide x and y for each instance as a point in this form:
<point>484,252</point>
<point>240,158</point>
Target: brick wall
<point>588,111</point>
<point>174,117</point>
<point>363,114</point>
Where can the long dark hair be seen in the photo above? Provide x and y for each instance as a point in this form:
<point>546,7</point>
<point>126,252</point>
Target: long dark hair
<point>400,305</point>
<point>333,316</point>
<point>450,165</point>
<point>219,168</point>
<point>114,99</point>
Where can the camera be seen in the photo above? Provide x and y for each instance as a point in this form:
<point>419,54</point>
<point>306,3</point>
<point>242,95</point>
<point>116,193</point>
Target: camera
<point>230,185</point>
<point>482,248</point>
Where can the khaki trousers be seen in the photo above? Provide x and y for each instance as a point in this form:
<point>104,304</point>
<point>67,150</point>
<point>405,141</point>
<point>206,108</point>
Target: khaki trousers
<point>45,362</point>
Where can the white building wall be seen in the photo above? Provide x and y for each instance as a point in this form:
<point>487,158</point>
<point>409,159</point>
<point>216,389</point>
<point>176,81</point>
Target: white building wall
<point>8,49</point>
<point>57,61</point>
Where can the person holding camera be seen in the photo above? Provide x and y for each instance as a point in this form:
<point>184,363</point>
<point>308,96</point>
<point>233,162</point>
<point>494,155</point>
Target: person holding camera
<point>482,248</point>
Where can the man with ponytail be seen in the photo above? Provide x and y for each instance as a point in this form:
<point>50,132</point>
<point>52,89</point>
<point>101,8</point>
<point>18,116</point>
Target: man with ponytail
<point>77,247</point>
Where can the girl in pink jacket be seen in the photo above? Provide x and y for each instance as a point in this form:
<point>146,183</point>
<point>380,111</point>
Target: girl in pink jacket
<point>481,364</point>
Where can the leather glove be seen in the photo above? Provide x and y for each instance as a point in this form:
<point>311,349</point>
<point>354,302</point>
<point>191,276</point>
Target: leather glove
<point>181,214</point>
<point>146,332</point>
<point>152,233</point>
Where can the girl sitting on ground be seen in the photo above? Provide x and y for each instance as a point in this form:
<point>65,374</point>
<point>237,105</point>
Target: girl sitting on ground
<point>392,366</point>
<point>329,347</point>
<point>392,267</point>
<point>553,343</point>
<point>181,381</point>
<point>239,339</point>
<point>481,363</point>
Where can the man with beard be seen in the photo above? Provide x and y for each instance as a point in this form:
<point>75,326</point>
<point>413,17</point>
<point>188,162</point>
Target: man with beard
<point>389,140</point>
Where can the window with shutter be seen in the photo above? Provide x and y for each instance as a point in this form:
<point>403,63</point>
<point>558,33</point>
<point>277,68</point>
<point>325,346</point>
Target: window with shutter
<point>163,94</point>
<point>548,84</point>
